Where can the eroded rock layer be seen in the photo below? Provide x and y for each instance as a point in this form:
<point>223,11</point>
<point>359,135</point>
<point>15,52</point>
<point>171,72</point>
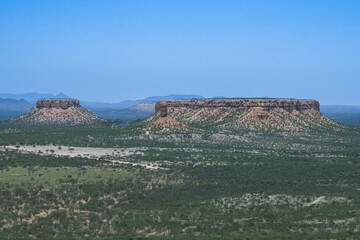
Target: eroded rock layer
<point>288,105</point>
<point>237,114</point>
<point>58,111</point>
<point>63,103</point>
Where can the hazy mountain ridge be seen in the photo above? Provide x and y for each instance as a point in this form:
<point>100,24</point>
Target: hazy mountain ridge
<point>127,109</point>
<point>32,97</point>
<point>146,107</point>
<point>9,104</point>
<point>131,103</point>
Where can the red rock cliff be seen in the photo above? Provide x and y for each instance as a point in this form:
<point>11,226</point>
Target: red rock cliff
<point>63,103</point>
<point>265,104</point>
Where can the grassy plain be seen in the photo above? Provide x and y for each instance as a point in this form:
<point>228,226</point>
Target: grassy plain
<point>255,185</point>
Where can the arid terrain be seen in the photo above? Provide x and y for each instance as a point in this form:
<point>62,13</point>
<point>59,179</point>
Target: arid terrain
<point>278,171</point>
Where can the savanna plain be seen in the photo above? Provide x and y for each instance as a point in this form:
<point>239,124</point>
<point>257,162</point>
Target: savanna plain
<point>102,181</point>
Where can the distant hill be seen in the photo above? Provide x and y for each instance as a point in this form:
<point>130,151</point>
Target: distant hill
<point>139,111</point>
<point>10,104</point>
<point>131,110</point>
<point>170,97</point>
<point>145,107</point>
<point>98,106</point>
<point>18,104</point>
<point>122,114</point>
<point>10,108</point>
<point>32,97</point>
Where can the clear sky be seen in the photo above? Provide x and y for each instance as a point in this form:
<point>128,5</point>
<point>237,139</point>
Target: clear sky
<point>129,49</point>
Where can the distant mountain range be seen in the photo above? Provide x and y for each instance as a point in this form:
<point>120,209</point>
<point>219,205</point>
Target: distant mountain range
<point>31,97</point>
<point>17,104</point>
<point>132,103</point>
<point>10,108</point>
<point>130,110</point>
<point>10,104</point>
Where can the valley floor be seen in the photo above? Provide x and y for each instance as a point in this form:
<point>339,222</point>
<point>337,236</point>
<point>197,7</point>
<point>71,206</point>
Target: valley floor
<point>101,182</point>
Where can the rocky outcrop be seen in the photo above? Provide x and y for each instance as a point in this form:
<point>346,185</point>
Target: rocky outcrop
<point>288,105</point>
<point>58,111</point>
<point>238,114</point>
<point>63,103</point>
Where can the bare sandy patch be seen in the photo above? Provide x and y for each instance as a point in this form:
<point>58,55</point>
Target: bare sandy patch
<point>112,155</point>
<point>69,151</point>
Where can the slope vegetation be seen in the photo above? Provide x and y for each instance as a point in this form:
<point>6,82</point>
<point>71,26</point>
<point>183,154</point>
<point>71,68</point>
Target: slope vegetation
<point>238,114</point>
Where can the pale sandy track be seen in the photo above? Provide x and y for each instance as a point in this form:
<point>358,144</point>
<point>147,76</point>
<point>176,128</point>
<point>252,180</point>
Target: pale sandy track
<point>113,154</point>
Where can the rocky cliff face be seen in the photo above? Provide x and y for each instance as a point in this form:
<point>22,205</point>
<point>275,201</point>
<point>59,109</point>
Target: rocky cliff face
<point>59,111</point>
<point>63,103</point>
<point>238,113</point>
<point>289,105</point>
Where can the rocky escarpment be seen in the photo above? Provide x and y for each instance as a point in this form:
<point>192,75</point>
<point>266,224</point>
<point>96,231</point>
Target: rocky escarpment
<point>288,105</point>
<point>238,113</point>
<point>60,103</point>
<point>59,111</point>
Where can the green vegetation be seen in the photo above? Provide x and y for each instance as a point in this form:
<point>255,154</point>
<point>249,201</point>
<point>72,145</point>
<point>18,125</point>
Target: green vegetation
<point>6,115</point>
<point>255,185</point>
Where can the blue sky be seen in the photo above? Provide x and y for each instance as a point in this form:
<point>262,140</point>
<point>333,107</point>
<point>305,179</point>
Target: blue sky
<point>114,50</point>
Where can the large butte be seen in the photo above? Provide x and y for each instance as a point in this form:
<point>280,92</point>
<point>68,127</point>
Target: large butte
<point>230,114</point>
<point>58,111</point>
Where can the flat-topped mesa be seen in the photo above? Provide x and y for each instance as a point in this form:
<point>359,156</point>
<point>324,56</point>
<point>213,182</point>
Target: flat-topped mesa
<point>266,104</point>
<point>58,111</point>
<point>59,103</point>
